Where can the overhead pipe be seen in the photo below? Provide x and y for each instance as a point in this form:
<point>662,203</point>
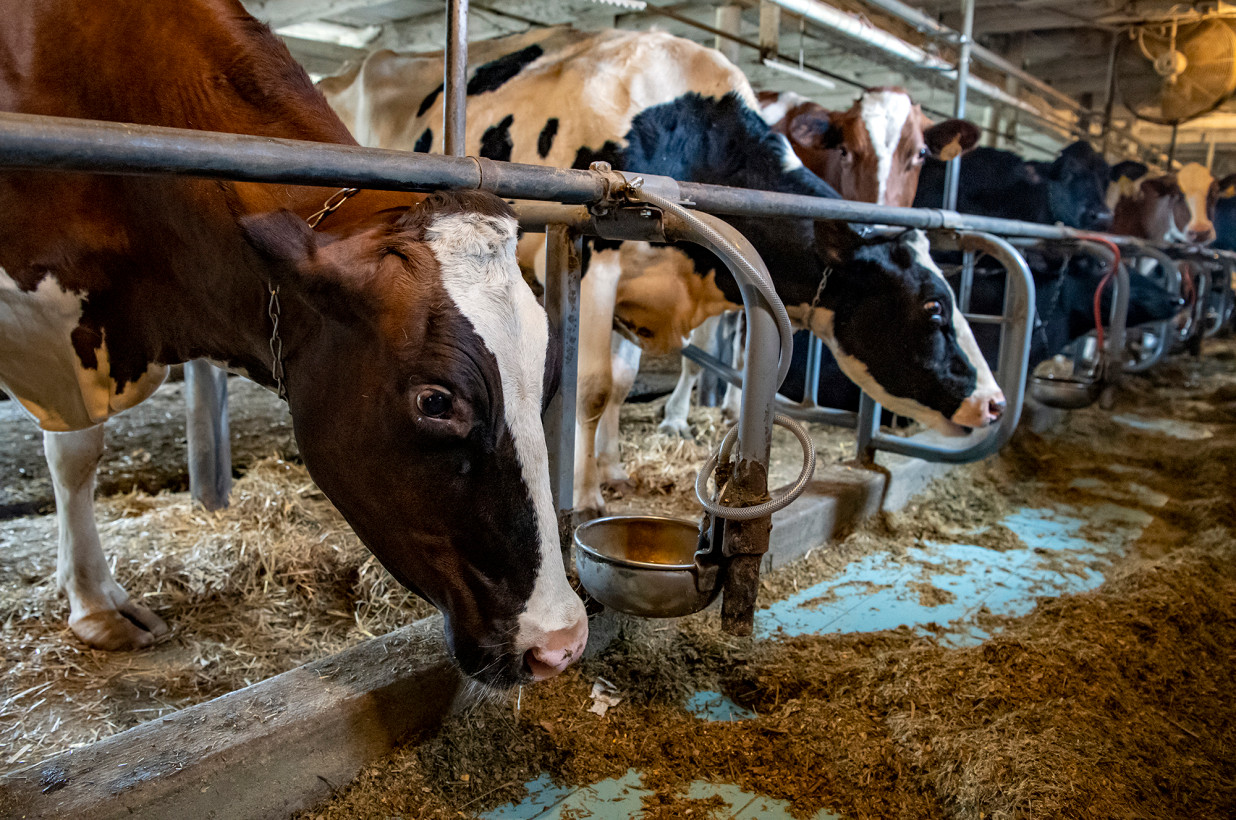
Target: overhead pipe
<point>893,46</point>
<point>927,26</point>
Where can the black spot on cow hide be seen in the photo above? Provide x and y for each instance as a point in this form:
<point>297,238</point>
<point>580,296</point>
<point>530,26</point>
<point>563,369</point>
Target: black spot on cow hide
<point>546,140</point>
<point>493,74</point>
<point>496,141</point>
<point>424,142</point>
<point>428,102</point>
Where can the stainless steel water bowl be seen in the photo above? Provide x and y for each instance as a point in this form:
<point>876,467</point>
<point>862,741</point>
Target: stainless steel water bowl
<point>1065,394</point>
<point>644,565</point>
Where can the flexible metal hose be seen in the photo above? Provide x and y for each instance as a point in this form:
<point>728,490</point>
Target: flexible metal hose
<point>776,502</point>
<point>728,248</point>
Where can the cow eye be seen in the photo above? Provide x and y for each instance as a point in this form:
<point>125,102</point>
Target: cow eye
<point>434,402</point>
<point>935,311</point>
<point>644,332</point>
<point>841,149</point>
<point>923,153</point>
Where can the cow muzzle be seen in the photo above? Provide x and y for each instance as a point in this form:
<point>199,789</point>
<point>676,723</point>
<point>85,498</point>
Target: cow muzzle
<point>557,650</point>
<point>980,409</point>
<point>1201,233</point>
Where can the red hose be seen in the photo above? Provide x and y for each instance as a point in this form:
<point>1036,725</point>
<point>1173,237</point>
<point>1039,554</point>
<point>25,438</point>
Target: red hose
<point>1098,292</point>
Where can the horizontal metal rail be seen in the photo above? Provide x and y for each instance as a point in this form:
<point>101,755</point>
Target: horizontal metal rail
<point>38,143</point>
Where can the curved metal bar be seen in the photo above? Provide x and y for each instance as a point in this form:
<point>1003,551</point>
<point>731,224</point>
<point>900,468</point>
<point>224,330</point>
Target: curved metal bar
<point>1162,331</point>
<point>1012,369</point>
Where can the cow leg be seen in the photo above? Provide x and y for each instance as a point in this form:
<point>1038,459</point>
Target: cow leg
<point>100,611</point>
<point>678,406</point>
<point>731,404</point>
<point>624,360</point>
<point>598,292</point>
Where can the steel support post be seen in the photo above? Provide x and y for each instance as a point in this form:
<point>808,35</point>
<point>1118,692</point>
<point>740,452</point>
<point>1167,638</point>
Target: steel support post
<point>746,541</point>
<point>206,428</point>
<point>952,172</point>
<point>563,255</point>
<point>454,101</point>
<point>811,389</point>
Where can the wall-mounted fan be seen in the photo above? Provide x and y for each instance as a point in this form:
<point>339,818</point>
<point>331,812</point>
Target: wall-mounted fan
<point>1171,73</point>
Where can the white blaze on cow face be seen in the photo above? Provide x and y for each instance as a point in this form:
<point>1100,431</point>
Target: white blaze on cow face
<point>477,256</point>
<point>40,368</point>
<point>885,114</point>
<point>976,410</point>
<point>1199,189</point>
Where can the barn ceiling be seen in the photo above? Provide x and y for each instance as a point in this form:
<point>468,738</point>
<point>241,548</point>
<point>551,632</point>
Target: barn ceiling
<point>833,49</point>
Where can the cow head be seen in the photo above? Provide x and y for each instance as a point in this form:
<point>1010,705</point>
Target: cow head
<point>1077,187</point>
<point>890,319</point>
<point>1193,212</point>
<point>416,385</point>
<point>1175,207</point>
<point>873,152</point>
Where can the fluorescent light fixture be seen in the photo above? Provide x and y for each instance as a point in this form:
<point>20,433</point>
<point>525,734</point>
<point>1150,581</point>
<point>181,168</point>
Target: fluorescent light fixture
<point>321,32</point>
<point>795,71</point>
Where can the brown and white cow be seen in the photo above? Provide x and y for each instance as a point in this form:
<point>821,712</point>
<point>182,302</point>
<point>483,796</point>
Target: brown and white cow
<point>872,152</point>
<point>413,354</point>
<point>1176,207</point>
<point>653,103</point>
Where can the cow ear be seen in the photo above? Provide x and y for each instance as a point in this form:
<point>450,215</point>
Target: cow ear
<point>291,251</point>
<point>814,129</point>
<point>1227,186</point>
<point>282,239</point>
<point>1160,186</point>
<point>835,242</point>
<point>1129,169</point>
<point>951,138</point>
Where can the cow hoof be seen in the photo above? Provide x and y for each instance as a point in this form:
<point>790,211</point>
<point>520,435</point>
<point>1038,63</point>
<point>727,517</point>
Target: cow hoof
<point>130,626</point>
<point>675,427</point>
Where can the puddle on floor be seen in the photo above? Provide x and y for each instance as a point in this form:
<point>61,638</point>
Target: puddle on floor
<point>943,585</point>
<point>1188,431</point>
<point>621,799</point>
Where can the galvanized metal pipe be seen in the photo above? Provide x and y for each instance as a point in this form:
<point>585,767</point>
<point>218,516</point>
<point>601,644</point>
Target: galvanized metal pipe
<point>30,142</point>
<point>455,99</point>
<point>952,170</point>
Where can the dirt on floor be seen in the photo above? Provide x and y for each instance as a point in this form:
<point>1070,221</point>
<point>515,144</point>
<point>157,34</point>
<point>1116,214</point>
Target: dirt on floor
<point>1115,703</point>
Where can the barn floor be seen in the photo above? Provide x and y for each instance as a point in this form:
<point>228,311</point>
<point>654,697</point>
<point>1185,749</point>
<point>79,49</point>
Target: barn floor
<point>1049,634</point>
<point>275,581</point>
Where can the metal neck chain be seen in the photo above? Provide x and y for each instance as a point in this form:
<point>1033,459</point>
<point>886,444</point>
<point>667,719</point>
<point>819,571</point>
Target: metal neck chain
<point>276,344</point>
<point>819,291</point>
<point>332,204</point>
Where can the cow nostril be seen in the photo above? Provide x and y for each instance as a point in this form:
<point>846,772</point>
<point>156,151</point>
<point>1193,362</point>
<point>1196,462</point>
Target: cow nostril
<point>995,407</point>
<point>540,669</point>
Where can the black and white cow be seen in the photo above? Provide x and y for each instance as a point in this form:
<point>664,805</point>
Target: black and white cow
<point>654,103</point>
<point>1071,190</point>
